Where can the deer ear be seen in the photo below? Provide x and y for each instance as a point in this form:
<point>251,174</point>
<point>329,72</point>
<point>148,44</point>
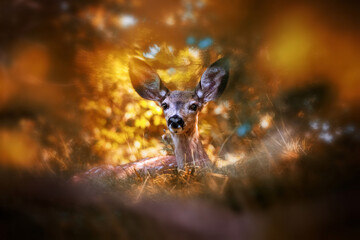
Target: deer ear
<point>213,81</point>
<point>146,81</point>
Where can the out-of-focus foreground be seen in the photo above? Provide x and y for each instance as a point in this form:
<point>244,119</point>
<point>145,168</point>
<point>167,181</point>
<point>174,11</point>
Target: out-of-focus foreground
<point>283,138</point>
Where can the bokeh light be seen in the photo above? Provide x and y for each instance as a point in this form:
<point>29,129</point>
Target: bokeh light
<point>286,128</point>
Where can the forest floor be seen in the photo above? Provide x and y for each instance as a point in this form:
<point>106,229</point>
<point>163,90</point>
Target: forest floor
<point>314,197</point>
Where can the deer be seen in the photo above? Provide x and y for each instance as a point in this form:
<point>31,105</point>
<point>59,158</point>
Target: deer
<point>181,111</point>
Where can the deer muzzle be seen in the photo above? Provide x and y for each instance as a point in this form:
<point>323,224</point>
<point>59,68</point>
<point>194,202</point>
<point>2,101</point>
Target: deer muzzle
<point>175,123</point>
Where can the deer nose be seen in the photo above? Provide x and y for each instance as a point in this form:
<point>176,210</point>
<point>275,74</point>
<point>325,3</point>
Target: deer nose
<point>176,122</point>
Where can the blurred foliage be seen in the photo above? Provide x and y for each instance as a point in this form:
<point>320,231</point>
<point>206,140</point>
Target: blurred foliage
<point>285,132</point>
<point>66,98</point>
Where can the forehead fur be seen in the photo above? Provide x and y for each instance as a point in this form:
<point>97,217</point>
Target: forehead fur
<point>181,95</point>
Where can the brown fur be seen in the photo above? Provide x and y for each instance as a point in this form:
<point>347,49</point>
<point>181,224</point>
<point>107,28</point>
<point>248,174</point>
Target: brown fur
<point>182,119</point>
<point>188,147</point>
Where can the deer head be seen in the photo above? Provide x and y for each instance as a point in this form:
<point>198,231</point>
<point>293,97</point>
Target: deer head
<point>181,108</point>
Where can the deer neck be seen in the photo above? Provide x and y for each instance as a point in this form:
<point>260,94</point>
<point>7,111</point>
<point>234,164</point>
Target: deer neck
<point>189,149</point>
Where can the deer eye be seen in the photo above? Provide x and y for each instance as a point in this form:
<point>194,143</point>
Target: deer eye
<point>164,106</point>
<point>193,107</point>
